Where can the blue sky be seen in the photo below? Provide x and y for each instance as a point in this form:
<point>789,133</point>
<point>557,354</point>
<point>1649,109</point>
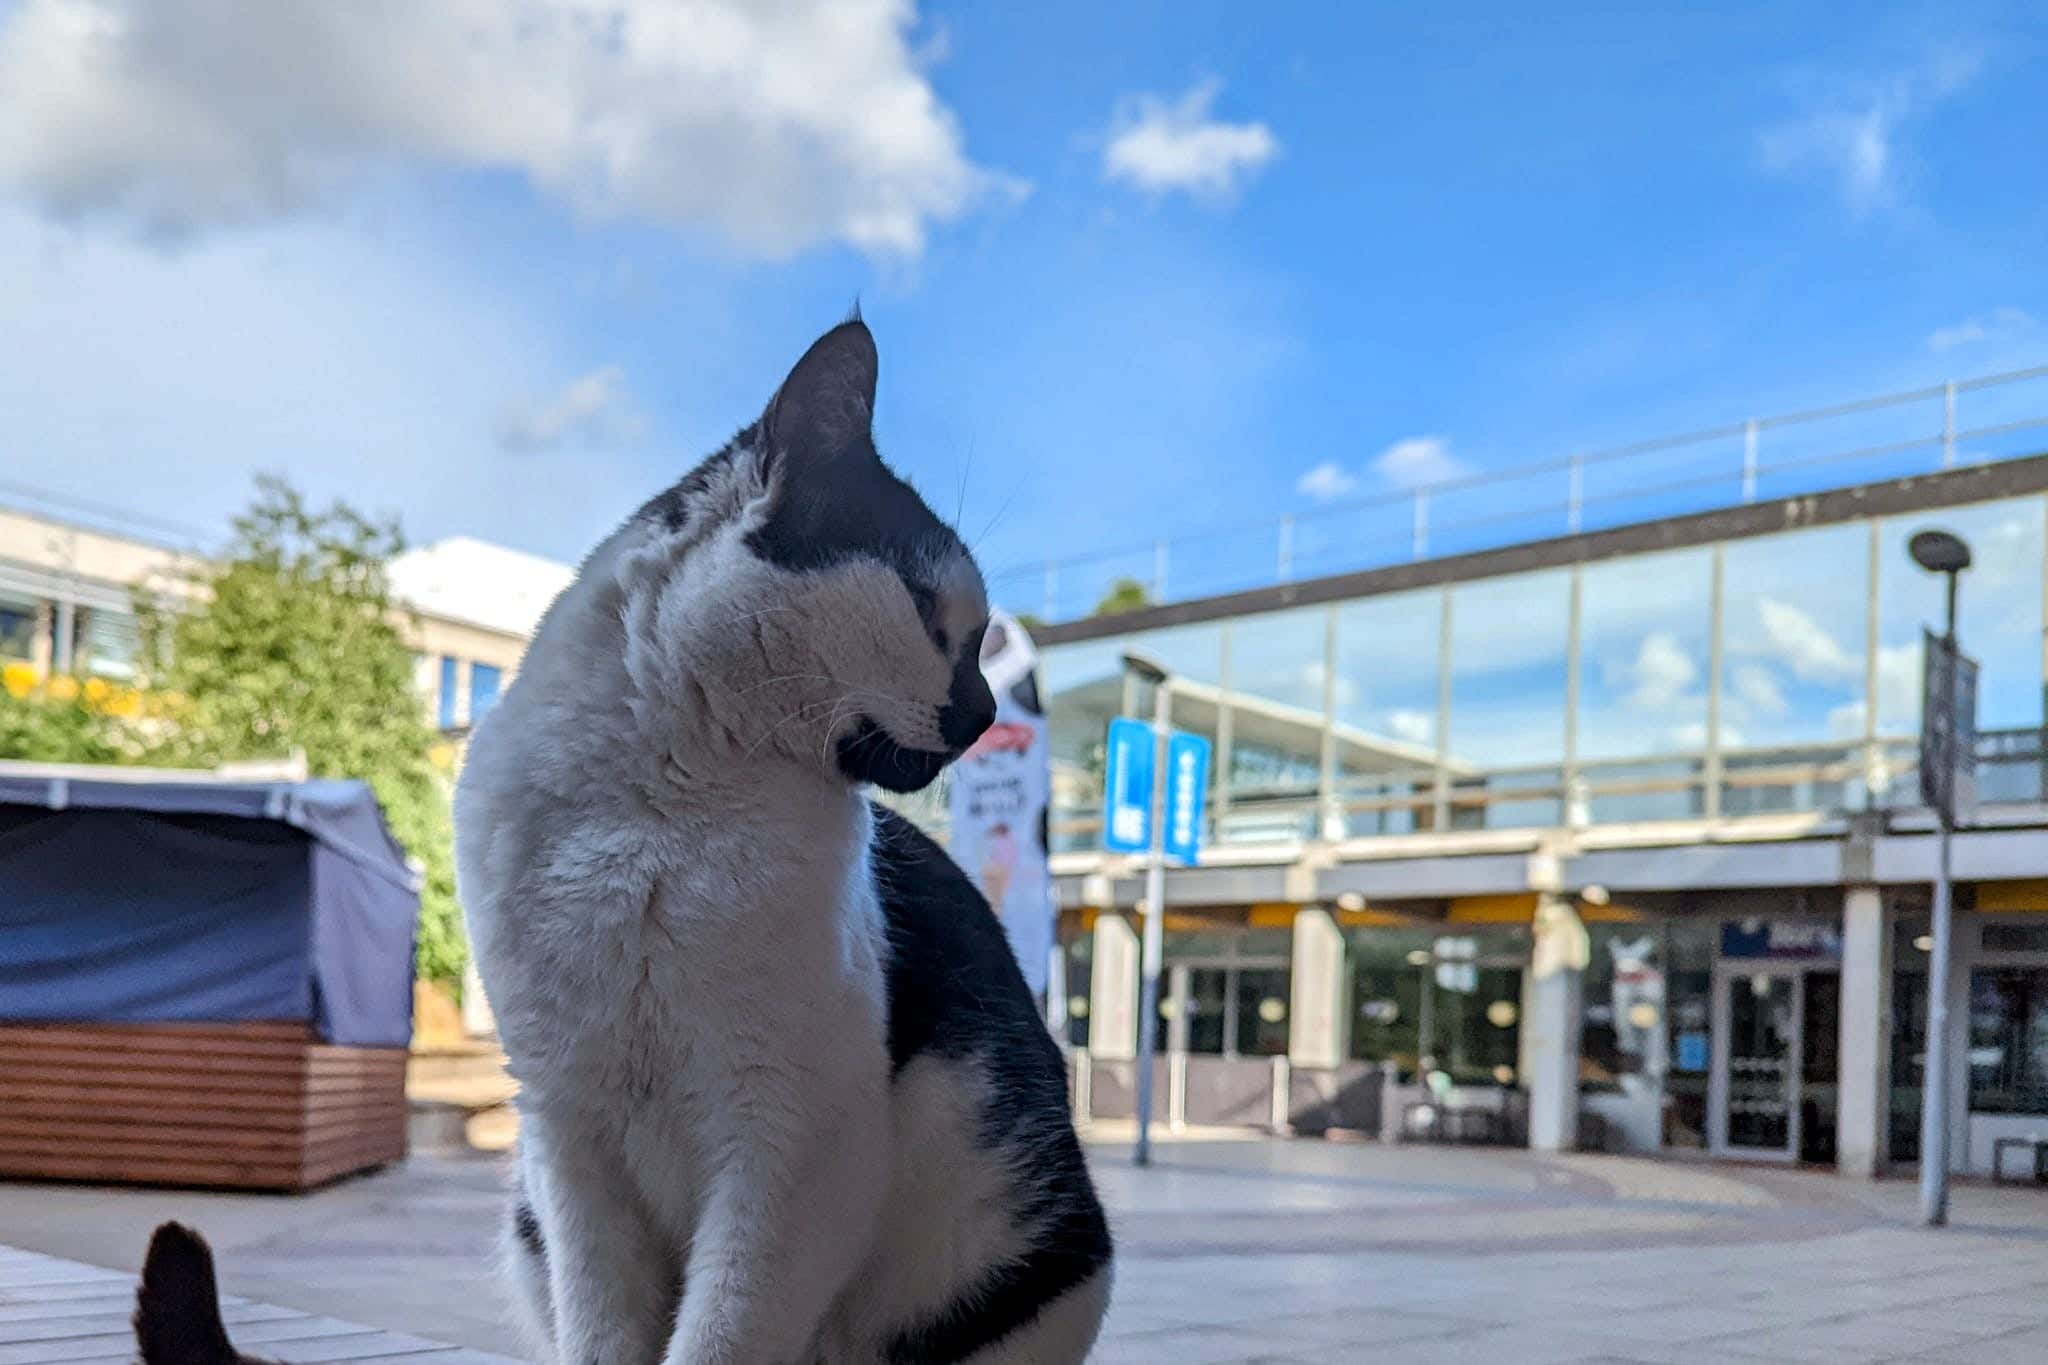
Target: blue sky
<point>1134,270</point>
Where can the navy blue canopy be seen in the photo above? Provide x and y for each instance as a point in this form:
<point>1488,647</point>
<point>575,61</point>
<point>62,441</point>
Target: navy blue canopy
<point>138,902</point>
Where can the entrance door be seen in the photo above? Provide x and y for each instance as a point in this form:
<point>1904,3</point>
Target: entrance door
<point>1775,1061</point>
<point>1756,1065</point>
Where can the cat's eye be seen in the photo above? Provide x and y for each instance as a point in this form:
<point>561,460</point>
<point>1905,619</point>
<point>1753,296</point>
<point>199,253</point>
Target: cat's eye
<point>927,603</point>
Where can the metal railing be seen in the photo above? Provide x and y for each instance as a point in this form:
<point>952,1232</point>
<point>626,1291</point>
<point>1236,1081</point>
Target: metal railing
<point>1819,777</point>
<point>1890,435</point>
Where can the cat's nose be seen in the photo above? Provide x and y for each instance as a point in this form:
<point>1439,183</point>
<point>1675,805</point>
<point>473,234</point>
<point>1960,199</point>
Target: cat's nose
<point>963,718</point>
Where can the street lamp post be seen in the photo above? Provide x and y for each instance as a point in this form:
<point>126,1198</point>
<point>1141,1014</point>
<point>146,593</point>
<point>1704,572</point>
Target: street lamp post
<point>1942,553</point>
<point>1154,945</point>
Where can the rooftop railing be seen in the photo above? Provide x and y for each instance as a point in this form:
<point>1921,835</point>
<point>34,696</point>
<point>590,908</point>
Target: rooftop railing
<point>1968,421</point>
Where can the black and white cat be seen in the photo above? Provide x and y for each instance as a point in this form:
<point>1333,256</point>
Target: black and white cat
<point>785,1098</point>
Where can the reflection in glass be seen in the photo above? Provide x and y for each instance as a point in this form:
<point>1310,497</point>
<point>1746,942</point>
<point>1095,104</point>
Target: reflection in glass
<point>1645,650</point>
<point>1760,1083</point>
<point>1508,682</point>
<point>1446,1000</point>
<point>1794,617</point>
<point>1083,687</point>
<point>1386,700</point>
<point>1277,677</point>
<point>2000,626</point>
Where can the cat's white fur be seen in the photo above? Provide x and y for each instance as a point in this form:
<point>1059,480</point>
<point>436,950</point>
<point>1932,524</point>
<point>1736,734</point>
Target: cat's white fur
<point>668,892</point>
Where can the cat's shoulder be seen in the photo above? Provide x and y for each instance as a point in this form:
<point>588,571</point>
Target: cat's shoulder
<point>954,985</point>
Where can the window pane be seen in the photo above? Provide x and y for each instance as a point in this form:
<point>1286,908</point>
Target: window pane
<point>1386,712</point>
<point>447,706</point>
<point>483,690</point>
<point>106,643</point>
<point>2009,1041</point>
<point>1386,995</point>
<point>1507,700</point>
<point>1083,687</point>
<point>1276,725</point>
<point>18,617</point>
<point>1644,652</point>
<point>1795,613</point>
<point>1625,1029</point>
<point>1999,606</point>
<point>1080,954</point>
<point>1262,1001</point>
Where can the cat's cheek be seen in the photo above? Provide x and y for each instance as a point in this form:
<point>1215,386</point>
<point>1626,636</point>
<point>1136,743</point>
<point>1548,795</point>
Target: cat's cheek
<point>868,755</point>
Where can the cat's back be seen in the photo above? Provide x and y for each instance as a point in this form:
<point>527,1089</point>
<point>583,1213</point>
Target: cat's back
<point>993,1232</point>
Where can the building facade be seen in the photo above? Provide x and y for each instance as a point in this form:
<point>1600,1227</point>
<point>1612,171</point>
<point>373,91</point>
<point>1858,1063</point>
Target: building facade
<point>67,609</point>
<point>1612,839</point>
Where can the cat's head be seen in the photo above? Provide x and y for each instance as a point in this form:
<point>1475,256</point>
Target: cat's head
<point>800,602</point>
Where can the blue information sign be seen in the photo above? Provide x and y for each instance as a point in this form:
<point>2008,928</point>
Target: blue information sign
<point>1127,787</point>
<point>1187,785</point>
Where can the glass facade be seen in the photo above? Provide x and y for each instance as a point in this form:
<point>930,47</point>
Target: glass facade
<point>1439,1001</point>
<point>1776,673</point>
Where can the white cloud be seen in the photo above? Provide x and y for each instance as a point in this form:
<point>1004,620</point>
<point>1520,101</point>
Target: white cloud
<point>1693,735</point>
<point>1801,644</point>
<point>1757,688</point>
<point>770,127</point>
<point>1417,461</point>
<point>1998,323</point>
<point>1326,481</point>
<point>591,409</point>
<point>1412,727</point>
<point>1160,146</point>
<point>1854,138</point>
<point>1661,673</point>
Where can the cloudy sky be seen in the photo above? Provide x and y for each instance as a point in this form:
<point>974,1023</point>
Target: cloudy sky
<point>505,267</point>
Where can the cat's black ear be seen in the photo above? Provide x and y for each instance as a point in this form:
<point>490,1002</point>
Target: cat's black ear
<point>826,408</point>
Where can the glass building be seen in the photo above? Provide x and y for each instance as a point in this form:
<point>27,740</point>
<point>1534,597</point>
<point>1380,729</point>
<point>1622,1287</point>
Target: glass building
<point>1613,839</point>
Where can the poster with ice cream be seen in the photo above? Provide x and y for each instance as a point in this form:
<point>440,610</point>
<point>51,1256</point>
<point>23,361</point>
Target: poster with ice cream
<point>998,799</point>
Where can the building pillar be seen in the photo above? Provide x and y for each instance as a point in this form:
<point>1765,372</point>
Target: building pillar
<point>1557,965</point>
<point>1863,1083</point>
<point>1113,990</point>
<point>1319,1007</point>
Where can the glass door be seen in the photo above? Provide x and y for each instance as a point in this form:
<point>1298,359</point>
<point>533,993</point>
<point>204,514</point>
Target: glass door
<point>1757,1063</point>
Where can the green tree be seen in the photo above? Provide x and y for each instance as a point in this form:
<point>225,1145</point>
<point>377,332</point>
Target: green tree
<point>291,642</point>
<point>1125,594</point>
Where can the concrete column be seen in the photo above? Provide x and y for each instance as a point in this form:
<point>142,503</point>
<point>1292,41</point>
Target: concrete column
<point>1863,1085</point>
<point>1113,990</point>
<point>1319,1018</point>
<point>1557,965</point>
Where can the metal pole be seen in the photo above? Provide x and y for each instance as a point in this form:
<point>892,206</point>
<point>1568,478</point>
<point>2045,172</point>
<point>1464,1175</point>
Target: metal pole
<point>1154,946</point>
<point>1934,1083</point>
<point>1749,462</point>
<point>1948,425</point>
<point>1578,496</point>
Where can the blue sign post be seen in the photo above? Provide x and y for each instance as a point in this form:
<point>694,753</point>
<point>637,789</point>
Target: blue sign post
<point>1127,788</point>
<point>1135,751</point>
<point>1187,783</point>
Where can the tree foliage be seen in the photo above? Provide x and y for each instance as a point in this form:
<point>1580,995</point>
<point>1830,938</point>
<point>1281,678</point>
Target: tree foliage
<point>65,720</point>
<point>291,642</point>
<point>1125,594</point>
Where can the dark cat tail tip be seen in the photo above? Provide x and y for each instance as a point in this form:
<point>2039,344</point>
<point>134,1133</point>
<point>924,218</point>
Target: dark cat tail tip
<point>177,1308</point>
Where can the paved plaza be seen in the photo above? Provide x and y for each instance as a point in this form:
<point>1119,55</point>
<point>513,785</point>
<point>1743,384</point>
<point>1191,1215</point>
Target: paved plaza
<point>1236,1251</point>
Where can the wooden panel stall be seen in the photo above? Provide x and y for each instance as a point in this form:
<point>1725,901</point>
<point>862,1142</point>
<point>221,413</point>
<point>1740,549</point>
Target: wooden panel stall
<point>249,1106</point>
